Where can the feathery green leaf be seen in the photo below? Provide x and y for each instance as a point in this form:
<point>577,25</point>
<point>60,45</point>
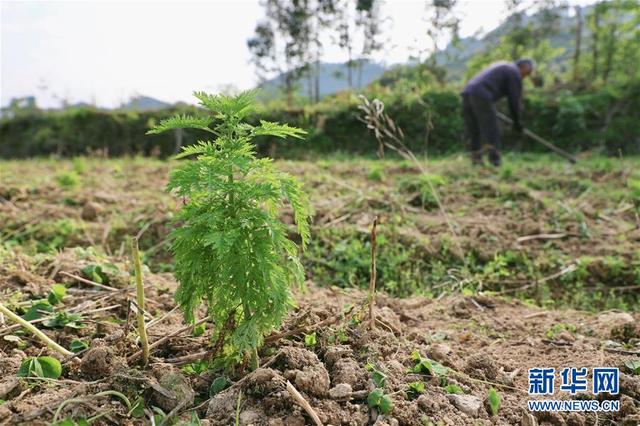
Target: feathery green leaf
<point>231,250</point>
<point>181,122</point>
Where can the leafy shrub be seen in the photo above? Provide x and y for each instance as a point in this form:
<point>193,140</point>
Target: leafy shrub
<point>231,251</point>
<point>431,121</point>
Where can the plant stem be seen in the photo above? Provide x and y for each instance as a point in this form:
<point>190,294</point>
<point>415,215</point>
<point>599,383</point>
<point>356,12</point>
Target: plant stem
<point>140,300</point>
<point>34,330</point>
<point>372,282</point>
<point>254,362</point>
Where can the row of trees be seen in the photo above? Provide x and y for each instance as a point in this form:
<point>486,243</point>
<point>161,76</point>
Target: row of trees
<point>605,45</point>
<point>601,48</point>
<point>291,38</point>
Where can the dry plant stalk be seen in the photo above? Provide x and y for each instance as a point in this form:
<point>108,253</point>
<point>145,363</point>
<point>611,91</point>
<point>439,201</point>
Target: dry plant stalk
<point>303,403</point>
<point>389,134</point>
<point>142,331</point>
<point>35,331</point>
<point>372,282</point>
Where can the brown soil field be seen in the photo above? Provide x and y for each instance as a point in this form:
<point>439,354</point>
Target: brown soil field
<point>569,299</point>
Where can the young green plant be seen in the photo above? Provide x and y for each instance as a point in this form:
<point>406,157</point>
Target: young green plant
<point>231,250</point>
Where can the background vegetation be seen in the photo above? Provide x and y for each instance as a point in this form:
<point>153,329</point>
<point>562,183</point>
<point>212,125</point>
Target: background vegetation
<point>590,98</point>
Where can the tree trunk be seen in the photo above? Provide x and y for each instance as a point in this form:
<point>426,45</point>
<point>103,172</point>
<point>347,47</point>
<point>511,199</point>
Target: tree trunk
<point>576,54</point>
<point>350,70</point>
<point>594,42</point>
<point>611,49</point>
<point>317,81</point>
<point>310,86</point>
<point>288,84</point>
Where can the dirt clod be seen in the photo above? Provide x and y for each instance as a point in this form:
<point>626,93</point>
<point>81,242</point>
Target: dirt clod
<point>97,363</point>
<point>340,391</point>
<point>9,387</point>
<point>306,371</point>
<point>439,351</point>
<point>221,406</point>
<point>178,389</point>
<point>626,332</point>
<point>528,419</point>
<point>481,366</point>
<point>348,371</point>
<point>468,404</point>
<point>91,210</point>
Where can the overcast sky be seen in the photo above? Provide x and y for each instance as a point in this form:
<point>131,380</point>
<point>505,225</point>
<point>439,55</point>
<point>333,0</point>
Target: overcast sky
<point>104,52</point>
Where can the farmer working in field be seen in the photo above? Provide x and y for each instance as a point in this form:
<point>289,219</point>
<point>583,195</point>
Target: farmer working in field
<point>478,97</point>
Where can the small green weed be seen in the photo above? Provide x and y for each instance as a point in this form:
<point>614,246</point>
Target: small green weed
<point>68,179</point>
<point>415,389</point>
<point>428,366</point>
<point>454,389</point>
<point>557,328</point>
<point>633,366</point>
<point>378,399</point>
<point>56,294</point>
<point>77,345</point>
<point>310,340</point>
<point>493,400</point>
<point>42,366</point>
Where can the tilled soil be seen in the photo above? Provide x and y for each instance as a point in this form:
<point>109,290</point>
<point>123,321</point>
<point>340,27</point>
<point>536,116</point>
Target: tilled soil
<point>50,234</point>
<point>484,341</point>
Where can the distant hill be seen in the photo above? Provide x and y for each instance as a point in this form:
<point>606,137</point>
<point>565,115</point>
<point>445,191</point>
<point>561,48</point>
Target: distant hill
<point>455,57</point>
<point>143,103</point>
<point>333,79</point>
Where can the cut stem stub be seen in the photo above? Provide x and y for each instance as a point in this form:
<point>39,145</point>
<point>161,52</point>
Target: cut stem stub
<point>142,331</point>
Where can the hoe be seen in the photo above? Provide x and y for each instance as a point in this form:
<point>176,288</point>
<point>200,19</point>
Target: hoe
<point>541,140</point>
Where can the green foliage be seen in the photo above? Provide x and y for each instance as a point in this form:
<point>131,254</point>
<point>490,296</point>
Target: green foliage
<point>68,179</point>
<point>56,294</point>
<point>218,384</point>
<point>451,388</point>
<point>79,165</point>
<point>378,399</point>
<point>378,377</point>
<point>557,328</point>
<point>65,319</point>
<point>95,273</point>
<point>428,366</point>
<point>430,118</point>
<point>137,409</point>
<point>415,389</point>
<point>422,185</point>
<point>77,345</point>
<point>199,330</point>
<point>634,186</point>
<point>42,366</point>
<point>231,250</point>
<point>493,400</point>
<point>633,366</point>
<point>36,310</point>
<point>197,367</point>
<point>310,339</point>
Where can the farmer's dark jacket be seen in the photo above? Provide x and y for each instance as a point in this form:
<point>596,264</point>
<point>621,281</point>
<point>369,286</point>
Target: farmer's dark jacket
<point>498,80</point>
